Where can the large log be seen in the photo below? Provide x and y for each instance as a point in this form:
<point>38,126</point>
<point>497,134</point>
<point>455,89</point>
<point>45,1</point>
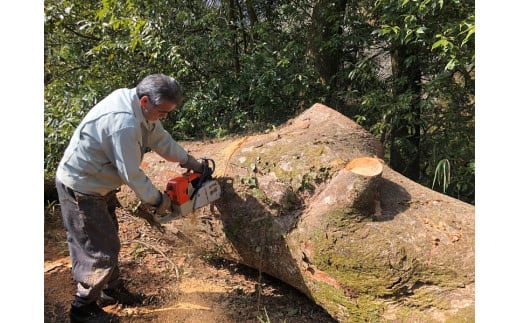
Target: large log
<point>312,204</point>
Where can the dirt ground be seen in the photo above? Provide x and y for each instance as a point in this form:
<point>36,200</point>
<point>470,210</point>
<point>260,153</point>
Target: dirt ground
<point>180,284</point>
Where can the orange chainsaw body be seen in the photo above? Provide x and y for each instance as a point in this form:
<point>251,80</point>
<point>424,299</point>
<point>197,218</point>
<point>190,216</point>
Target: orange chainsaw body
<point>191,191</point>
<point>179,188</point>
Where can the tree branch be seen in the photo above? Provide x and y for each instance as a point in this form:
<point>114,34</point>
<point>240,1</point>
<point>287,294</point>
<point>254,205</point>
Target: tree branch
<point>159,251</point>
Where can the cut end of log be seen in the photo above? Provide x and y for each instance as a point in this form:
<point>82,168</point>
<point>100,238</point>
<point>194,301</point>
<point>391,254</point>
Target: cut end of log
<point>365,166</point>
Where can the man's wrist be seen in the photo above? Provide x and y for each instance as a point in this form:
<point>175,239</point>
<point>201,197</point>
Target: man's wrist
<point>192,164</point>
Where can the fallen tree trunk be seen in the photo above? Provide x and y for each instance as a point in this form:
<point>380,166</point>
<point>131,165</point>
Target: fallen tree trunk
<point>313,205</point>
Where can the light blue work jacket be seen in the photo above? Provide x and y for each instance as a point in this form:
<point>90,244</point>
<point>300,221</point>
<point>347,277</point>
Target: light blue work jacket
<point>107,148</point>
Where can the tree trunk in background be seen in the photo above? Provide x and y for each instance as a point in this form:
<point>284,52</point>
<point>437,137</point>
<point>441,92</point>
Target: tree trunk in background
<point>327,19</point>
<point>251,12</point>
<point>405,135</point>
<point>232,22</point>
<point>312,204</point>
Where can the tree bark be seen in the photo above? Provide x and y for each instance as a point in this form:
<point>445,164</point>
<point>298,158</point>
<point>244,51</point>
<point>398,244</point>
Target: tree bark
<point>232,23</point>
<point>251,12</point>
<point>312,204</point>
<point>323,47</point>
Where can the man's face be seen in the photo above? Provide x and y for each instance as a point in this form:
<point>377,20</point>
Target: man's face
<point>159,112</point>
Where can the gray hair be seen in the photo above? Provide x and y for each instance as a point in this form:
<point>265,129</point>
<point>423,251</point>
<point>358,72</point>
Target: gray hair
<point>160,88</point>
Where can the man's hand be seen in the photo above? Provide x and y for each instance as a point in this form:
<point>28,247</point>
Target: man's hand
<point>165,206</point>
<point>154,214</point>
<point>193,164</point>
<point>145,212</point>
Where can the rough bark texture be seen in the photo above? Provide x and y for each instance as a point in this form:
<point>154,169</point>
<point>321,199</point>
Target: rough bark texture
<point>312,204</point>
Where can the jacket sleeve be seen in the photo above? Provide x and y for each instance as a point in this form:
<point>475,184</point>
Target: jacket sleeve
<point>162,143</point>
<point>124,148</point>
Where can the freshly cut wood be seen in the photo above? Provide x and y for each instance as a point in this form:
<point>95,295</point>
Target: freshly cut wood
<point>365,166</point>
<point>312,204</point>
<point>365,175</point>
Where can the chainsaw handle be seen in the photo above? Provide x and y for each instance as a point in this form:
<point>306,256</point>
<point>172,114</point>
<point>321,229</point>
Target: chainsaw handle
<point>206,174</point>
<point>206,162</point>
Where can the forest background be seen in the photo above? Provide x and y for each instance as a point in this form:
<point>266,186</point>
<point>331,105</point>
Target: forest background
<point>404,70</point>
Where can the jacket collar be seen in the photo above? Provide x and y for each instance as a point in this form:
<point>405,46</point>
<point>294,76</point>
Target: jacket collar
<point>138,112</point>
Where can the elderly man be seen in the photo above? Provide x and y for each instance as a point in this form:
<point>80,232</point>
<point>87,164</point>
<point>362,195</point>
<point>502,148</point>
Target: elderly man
<point>104,153</point>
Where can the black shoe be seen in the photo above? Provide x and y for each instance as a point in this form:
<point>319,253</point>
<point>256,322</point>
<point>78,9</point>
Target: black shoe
<point>120,295</point>
<point>90,313</point>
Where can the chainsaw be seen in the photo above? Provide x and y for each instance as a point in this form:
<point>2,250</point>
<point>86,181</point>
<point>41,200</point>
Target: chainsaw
<point>191,191</point>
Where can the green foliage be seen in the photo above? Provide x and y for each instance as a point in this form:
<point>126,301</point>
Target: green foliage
<point>442,37</point>
<point>442,173</point>
<point>61,118</point>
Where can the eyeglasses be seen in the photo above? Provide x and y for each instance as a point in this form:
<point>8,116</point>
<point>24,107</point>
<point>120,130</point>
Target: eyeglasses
<point>162,112</point>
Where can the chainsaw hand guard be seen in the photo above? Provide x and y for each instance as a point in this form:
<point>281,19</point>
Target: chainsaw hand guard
<point>206,173</point>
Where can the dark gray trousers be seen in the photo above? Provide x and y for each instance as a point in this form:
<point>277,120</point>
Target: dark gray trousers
<point>93,240</point>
